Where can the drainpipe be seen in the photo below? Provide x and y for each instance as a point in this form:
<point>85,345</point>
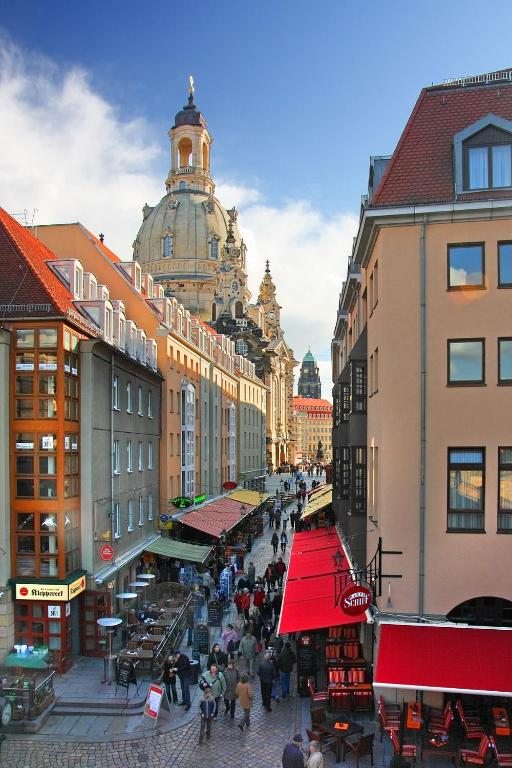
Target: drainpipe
<point>423,408</point>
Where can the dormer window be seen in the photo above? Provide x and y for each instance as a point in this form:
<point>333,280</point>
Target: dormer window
<point>167,247</point>
<point>483,155</point>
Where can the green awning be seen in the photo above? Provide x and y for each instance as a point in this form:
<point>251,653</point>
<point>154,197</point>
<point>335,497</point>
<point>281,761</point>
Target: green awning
<point>179,550</point>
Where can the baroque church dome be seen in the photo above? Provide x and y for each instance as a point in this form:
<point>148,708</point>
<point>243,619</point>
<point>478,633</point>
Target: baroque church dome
<point>183,239</point>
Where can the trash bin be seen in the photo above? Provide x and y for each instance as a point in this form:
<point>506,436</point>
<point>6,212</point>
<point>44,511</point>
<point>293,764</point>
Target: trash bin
<point>109,669</point>
<point>194,671</point>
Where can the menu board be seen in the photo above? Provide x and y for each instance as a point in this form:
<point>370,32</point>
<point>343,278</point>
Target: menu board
<point>202,639</point>
<point>215,613</point>
<point>305,660</point>
<point>126,674</point>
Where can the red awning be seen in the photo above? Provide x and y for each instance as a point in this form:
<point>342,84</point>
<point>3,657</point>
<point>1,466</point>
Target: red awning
<point>308,600</point>
<point>447,657</point>
<point>220,515</point>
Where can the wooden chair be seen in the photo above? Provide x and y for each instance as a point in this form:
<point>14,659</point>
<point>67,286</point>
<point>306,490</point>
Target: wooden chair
<point>503,759</point>
<point>388,717</point>
<point>316,696</point>
<point>478,756</point>
<point>442,727</point>
<point>360,748</point>
<point>318,716</point>
<point>132,645</point>
<point>326,741</point>
<point>402,750</point>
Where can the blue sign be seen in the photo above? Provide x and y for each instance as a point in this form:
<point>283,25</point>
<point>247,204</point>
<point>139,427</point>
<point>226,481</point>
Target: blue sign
<point>164,518</point>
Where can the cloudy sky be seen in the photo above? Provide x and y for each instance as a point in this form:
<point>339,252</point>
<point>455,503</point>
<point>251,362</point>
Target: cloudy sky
<point>296,100</point>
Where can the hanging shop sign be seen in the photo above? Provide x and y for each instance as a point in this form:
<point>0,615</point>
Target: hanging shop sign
<point>356,599</point>
<point>200,499</point>
<point>107,552</point>
<point>229,485</point>
<point>58,592</point>
<point>182,502</point>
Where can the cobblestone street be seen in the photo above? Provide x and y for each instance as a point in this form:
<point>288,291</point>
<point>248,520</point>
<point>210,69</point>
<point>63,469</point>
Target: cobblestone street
<point>66,742</point>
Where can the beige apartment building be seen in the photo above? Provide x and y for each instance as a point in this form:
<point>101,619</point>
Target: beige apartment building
<point>313,425</point>
<point>422,368</point>
<point>202,374</point>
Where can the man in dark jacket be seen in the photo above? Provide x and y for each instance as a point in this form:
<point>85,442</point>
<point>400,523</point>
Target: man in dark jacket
<point>266,674</point>
<point>292,753</point>
<point>182,669</point>
<point>207,709</point>
<point>285,663</point>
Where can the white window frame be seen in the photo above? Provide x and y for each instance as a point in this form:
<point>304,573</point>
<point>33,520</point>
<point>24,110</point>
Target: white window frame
<point>150,454</point>
<point>141,511</point>
<point>117,520</point>
<point>128,397</point>
<point>129,456</point>
<point>116,463</point>
<point>115,392</point>
<point>150,506</point>
<point>187,449</point>
<point>150,404</point>
<point>139,401</point>
<point>130,515</point>
<point>141,456</point>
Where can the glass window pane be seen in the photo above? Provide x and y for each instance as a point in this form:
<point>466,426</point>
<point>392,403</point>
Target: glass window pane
<point>47,384</point>
<point>25,521</point>
<point>25,441</point>
<point>505,359</point>
<point>466,361</point>
<point>25,543</point>
<point>48,442</point>
<point>25,361</point>
<point>24,338</point>
<point>24,465</point>
<point>47,488</point>
<point>462,456</point>
<point>24,385</point>
<point>466,489</point>
<point>47,408</point>
<point>465,265</point>
<point>505,455</point>
<point>48,522</point>
<point>47,361</point>
<point>24,409</point>
<point>506,489</point>
<point>47,465</point>
<point>25,488</point>
<point>47,337</point>
<point>505,263</point>
<point>501,166</point>
<point>478,170</point>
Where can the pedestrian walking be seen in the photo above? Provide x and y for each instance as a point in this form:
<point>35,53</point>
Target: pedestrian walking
<point>245,696</point>
<point>251,576</point>
<point>275,542</point>
<point>266,673</point>
<point>169,678</point>
<point>271,518</point>
<point>285,663</point>
<point>292,753</point>
<point>247,651</point>
<point>278,520</point>
<point>280,571</point>
<point>229,638</point>
<point>315,759</point>
<point>217,657</point>
<point>232,677</point>
<point>245,603</point>
<point>217,682</point>
<point>277,604</point>
<point>183,670</point>
<point>284,541</point>
<point>292,519</point>
<point>284,518</point>
<point>206,709</point>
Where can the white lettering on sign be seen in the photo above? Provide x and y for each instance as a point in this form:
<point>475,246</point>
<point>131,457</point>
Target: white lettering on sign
<point>356,599</point>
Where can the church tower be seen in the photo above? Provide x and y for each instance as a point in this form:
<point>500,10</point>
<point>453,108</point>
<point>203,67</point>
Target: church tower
<point>309,379</point>
<point>272,310</point>
<point>189,242</point>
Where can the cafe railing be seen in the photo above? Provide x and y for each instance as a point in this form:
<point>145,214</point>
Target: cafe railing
<point>172,638</point>
<point>30,693</point>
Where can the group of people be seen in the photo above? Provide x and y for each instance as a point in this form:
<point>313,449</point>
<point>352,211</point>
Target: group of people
<point>296,756</point>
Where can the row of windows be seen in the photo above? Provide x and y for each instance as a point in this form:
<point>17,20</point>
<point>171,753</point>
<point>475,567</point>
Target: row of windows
<point>116,459</point>
<point>466,265</point>
<point>168,247</point>
<point>466,489</point>
<point>143,509</point>
<point>466,361</point>
<point>129,398</point>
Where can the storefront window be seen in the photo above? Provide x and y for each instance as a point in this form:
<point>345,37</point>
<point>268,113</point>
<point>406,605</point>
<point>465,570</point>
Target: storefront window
<point>47,384</point>
<point>49,566</point>
<point>25,566</point>
<point>25,521</point>
<point>24,385</point>
<point>24,488</point>
<point>25,361</point>
<point>47,361</point>
<point>26,543</point>
<point>24,409</point>
<point>24,465</point>
<point>48,408</point>
<point>47,337</point>
<point>47,488</point>
<point>24,338</point>
<point>48,522</point>
<point>25,441</point>
<point>47,465</point>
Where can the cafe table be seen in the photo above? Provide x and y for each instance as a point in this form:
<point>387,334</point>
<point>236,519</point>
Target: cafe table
<point>413,720</point>
<point>340,730</point>
<point>445,747</point>
<point>38,659</point>
<point>140,654</point>
<point>155,639</point>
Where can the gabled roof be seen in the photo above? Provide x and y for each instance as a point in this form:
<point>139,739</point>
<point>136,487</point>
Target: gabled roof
<point>27,280</point>
<point>310,403</point>
<point>421,168</point>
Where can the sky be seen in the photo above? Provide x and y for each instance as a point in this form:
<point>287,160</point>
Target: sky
<point>297,97</point>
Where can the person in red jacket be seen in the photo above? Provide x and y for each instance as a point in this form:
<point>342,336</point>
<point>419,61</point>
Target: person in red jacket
<point>259,596</point>
<point>238,601</point>
<point>280,570</point>
<point>245,603</point>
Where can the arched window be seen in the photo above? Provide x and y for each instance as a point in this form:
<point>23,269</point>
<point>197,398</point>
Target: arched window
<point>241,347</point>
<point>185,152</point>
<point>205,157</point>
<point>214,311</point>
<point>182,185</point>
<point>239,309</point>
<point>167,246</point>
<point>214,247</point>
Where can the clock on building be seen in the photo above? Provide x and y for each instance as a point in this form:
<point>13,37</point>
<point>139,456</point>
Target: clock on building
<point>271,315</point>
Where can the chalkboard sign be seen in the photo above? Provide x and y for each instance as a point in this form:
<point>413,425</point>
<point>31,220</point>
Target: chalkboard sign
<point>126,675</point>
<point>215,613</point>
<point>202,638</point>
<point>305,660</point>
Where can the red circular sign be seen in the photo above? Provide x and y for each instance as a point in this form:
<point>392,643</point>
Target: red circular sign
<point>229,485</point>
<point>106,552</point>
<point>23,591</point>
<point>356,599</point>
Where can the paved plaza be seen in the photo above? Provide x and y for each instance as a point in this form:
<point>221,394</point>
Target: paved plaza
<point>131,740</point>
